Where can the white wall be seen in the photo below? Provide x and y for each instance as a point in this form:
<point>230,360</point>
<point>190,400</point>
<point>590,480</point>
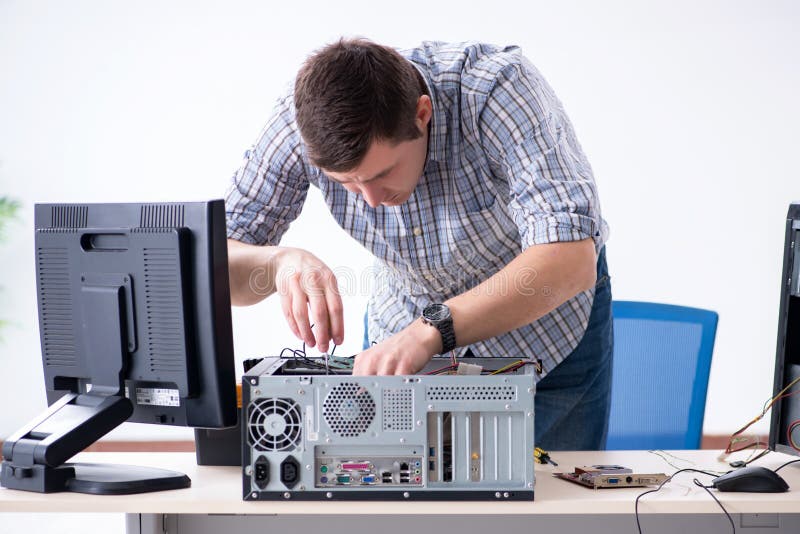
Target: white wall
<point>688,111</point>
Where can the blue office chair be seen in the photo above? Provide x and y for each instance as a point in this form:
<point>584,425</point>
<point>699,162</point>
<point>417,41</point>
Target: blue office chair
<point>662,357</point>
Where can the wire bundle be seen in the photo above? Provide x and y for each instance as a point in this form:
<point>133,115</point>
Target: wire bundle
<point>737,442</point>
<point>326,361</point>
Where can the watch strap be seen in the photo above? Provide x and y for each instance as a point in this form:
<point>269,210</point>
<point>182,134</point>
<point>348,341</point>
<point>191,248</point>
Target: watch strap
<point>448,334</point>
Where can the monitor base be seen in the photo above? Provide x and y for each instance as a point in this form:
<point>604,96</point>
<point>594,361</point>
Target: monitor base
<point>96,479</point>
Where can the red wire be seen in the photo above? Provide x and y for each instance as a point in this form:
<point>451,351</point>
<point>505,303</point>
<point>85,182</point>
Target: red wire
<point>442,369</point>
<point>789,435</point>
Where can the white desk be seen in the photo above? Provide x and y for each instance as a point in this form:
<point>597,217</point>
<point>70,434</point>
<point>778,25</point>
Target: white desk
<point>214,503</point>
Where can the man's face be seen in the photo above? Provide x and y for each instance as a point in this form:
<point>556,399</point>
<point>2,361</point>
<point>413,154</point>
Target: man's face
<point>390,172</point>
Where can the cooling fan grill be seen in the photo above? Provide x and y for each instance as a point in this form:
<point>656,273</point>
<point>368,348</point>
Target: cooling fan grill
<point>349,409</point>
<point>274,424</point>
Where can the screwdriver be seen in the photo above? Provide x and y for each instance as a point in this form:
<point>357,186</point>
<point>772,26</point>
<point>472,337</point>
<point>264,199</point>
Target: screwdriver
<point>542,456</point>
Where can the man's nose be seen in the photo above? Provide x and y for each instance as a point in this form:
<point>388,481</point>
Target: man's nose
<point>372,195</point>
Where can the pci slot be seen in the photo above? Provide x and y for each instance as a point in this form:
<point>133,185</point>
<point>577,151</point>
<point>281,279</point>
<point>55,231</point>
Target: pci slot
<point>475,433</point>
<point>435,444</point>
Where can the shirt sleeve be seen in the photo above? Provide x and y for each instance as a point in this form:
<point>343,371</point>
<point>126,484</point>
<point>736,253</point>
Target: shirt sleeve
<point>267,193</point>
<point>529,142</point>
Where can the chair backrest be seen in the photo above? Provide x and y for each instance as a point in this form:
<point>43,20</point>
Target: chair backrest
<point>662,358</point>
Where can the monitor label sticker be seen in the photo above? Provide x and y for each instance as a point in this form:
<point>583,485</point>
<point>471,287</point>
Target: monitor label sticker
<point>157,397</point>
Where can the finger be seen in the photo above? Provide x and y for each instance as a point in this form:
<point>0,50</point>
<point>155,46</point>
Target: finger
<point>386,366</point>
<point>367,363</point>
<point>335,310</point>
<point>288,314</point>
<point>300,311</point>
<point>404,368</point>
<point>359,363</point>
<point>319,307</point>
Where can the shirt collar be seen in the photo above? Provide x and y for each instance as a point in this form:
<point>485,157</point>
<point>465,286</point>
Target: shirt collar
<point>437,133</point>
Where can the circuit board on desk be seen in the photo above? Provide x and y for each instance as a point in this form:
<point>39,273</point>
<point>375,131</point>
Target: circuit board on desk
<point>611,476</point>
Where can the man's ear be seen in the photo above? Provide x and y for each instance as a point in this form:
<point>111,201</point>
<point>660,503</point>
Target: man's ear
<point>424,112</point>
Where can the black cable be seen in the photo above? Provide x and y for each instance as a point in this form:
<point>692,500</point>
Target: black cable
<point>686,470</point>
<point>300,354</point>
<point>698,483</point>
<point>787,463</point>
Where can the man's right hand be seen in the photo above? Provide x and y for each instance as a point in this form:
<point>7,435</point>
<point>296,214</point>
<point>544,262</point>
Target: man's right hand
<point>309,296</point>
<point>302,280</point>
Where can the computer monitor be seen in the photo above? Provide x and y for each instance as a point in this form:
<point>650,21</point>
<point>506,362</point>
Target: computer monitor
<point>784,435</point>
<point>135,325</point>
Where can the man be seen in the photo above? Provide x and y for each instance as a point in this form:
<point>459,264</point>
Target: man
<point>456,166</point>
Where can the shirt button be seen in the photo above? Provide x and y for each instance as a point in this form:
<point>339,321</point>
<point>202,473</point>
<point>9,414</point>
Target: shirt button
<point>417,231</point>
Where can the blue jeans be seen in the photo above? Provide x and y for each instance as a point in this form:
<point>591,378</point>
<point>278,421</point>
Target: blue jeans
<point>573,401</point>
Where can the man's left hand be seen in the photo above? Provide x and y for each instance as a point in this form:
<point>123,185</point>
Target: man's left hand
<point>404,353</point>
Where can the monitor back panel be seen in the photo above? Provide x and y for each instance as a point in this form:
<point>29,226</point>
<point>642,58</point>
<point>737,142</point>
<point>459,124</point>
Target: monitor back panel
<point>784,433</point>
<point>418,437</point>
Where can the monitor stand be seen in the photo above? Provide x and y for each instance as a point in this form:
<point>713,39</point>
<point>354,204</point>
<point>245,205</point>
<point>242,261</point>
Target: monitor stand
<point>34,456</point>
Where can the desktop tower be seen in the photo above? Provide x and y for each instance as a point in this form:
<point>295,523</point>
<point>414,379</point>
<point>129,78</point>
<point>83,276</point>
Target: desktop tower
<point>307,434</point>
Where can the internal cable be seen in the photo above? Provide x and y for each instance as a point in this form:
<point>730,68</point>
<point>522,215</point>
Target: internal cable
<point>328,360</point>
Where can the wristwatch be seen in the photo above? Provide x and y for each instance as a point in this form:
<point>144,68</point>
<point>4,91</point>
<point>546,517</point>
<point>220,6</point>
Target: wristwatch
<point>438,316</point>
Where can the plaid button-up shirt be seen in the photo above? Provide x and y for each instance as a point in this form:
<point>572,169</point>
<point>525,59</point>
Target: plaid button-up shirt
<point>504,171</point>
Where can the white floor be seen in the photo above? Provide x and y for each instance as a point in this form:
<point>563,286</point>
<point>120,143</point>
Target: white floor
<point>62,523</point>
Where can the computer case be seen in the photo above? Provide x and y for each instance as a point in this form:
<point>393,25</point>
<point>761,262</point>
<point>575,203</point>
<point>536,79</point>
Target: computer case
<point>307,434</point>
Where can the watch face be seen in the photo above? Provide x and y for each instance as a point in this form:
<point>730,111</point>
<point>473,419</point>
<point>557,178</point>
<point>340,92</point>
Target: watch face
<point>436,312</point>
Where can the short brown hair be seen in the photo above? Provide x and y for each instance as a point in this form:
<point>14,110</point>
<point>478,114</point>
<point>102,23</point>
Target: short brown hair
<point>351,93</point>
